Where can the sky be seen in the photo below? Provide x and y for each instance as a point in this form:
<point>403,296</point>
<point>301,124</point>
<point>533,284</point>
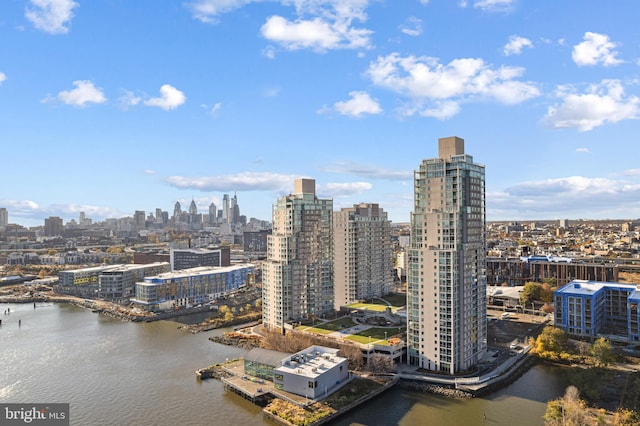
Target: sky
<point>112,106</point>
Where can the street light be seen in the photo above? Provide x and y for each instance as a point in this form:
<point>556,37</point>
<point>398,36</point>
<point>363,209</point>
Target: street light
<point>385,335</point>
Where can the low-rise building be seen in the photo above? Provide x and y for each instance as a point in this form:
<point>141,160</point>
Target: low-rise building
<point>110,282</point>
<point>190,287</point>
<point>313,372</point>
<point>592,308</point>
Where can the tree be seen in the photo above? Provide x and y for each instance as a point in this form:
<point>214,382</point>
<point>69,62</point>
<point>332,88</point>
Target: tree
<point>546,293</point>
<point>551,339</point>
<point>602,352</point>
<point>379,363</point>
<point>568,410</point>
<point>625,417</point>
<point>530,292</point>
<point>228,316</point>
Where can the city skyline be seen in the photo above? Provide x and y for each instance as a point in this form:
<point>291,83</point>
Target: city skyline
<point>192,100</point>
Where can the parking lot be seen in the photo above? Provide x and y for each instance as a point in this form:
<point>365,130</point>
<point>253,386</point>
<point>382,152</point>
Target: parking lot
<point>517,328</point>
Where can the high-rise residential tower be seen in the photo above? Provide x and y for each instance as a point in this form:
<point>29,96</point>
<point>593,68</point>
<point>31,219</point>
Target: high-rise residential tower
<point>446,292</point>
<point>363,254</point>
<point>297,276</point>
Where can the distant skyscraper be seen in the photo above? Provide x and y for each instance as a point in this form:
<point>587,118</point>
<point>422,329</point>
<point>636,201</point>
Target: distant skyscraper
<point>177,212</point>
<point>363,255</point>
<point>446,279</point>
<point>53,226</point>
<point>298,273</point>
<point>139,219</point>
<point>4,217</point>
<point>213,213</point>
<point>225,208</point>
<point>193,209</point>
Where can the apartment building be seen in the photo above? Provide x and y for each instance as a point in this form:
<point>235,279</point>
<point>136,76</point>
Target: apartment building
<point>591,308</point>
<point>363,254</point>
<point>297,276</point>
<point>446,290</point>
<point>191,287</point>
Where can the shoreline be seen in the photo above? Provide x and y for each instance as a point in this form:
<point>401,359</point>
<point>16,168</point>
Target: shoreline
<point>409,381</point>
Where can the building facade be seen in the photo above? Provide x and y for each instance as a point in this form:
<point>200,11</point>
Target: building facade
<point>191,287</point>
<point>591,308</point>
<point>313,372</point>
<point>363,254</point>
<point>53,226</point>
<point>4,217</point>
<point>193,258</point>
<point>519,271</point>
<point>446,289</point>
<point>113,282</point>
<point>297,276</point>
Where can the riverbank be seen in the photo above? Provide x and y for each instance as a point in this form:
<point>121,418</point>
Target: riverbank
<point>314,413</point>
<point>42,294</point>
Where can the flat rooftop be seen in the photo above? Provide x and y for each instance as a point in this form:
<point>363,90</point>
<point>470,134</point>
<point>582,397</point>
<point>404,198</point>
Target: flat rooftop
<point>200,270</point>
<point>583,287</point>
<point>311,362</point>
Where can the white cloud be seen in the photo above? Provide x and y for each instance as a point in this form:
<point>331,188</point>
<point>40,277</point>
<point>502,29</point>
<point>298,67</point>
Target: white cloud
<point>566,196</point>
<point>269,52</point>
<point>494,5</point>
<point>51,16</point>
<point>3,77</point>
<point>215,109</point>
<point>29,209</point>
<point>84,93</point>
<point>317,34</point>
<point>128,99</point>
<point>149,172</point>
<point>413,27</point>
<point>368,171</point>
<point>602,103</point>
<point>515,45</point>
<point>170,98</point>
<point>247,181</point>
<point>343,189</point>
<point>360,103</point>
<point>208,10</point>
<point>442,110</point>
<point>595,49</point>
<point>583,150</point>
<point>424,80</point>
<point>425,2</point>
<point>463,3</point>
<point>320,24</point>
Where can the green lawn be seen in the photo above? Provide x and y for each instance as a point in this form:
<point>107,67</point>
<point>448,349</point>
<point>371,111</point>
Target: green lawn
<point>310,329</point>
<point>397,300</point>
<point>328,327</point>
<point>368,306</point>
<point>376,334</point>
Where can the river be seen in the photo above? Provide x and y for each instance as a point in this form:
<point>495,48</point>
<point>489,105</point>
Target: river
<point>122,373</point>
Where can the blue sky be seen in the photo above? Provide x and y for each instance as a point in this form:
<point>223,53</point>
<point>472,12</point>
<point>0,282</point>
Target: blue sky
<point>112,106</point>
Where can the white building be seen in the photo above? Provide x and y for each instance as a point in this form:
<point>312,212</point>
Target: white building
<point>297,276</point>
<point>314,372</point>
<point>363,254</point>
<point>190,287</point>
<point>446,290</point>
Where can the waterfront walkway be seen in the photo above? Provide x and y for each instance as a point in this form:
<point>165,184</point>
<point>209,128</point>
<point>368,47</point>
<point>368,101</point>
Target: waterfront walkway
<point>501,371</point>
